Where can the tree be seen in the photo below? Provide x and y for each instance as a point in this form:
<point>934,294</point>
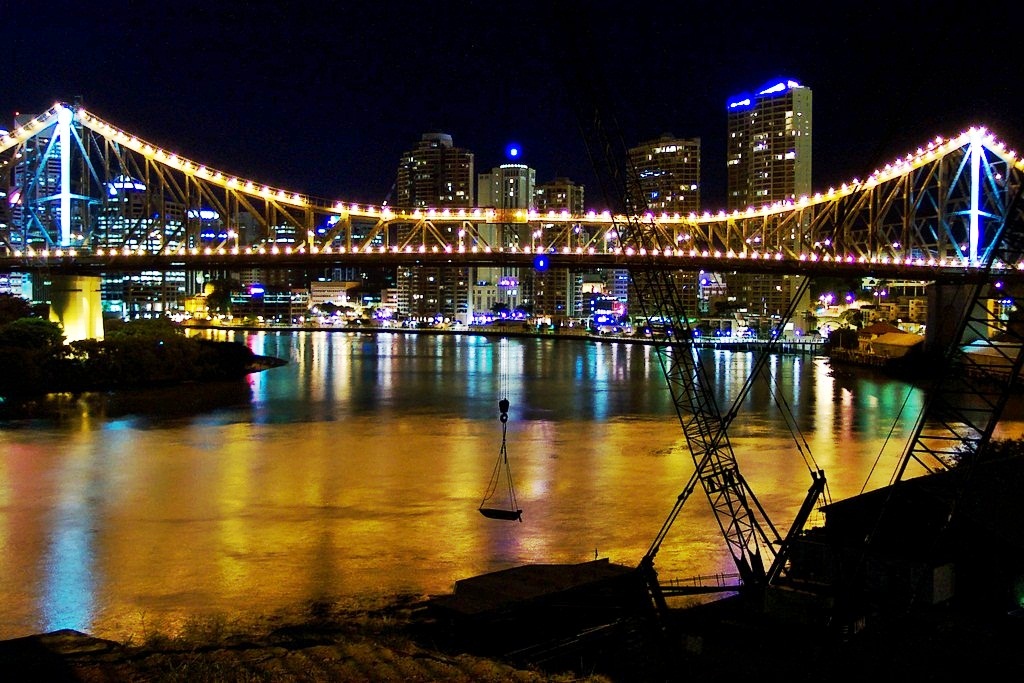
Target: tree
<point>218,298</point>
<point>328,308</point>
<point>32,333</point>
<point>852,317</point>
<point>13,307</point>
<point>142,327</point>
<point>31,353</point>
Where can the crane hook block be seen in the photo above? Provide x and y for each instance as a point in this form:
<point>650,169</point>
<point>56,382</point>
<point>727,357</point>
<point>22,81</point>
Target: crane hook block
<point>503,407</point>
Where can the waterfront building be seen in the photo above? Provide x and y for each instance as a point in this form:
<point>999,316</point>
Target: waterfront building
<point>768,155</point>
<point>330,292</point>
<point>435,174</point>
<point>768,160</point>
<point>667,171</point>
<point>16,284</point>
<point>559,194</point>
<point>556,291</point>
<point>268,304</point>
<point>507,188</point>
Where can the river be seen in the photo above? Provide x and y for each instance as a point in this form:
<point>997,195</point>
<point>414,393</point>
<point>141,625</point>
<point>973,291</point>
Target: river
<point>354,473</point>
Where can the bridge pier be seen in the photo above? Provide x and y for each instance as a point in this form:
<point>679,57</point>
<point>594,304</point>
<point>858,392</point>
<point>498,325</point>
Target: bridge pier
<point>946,308</point>
<point>75,304</point>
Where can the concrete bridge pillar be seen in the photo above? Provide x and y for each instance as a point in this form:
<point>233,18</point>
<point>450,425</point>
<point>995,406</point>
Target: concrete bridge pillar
<point>75,304</point>
<point>946,308</point>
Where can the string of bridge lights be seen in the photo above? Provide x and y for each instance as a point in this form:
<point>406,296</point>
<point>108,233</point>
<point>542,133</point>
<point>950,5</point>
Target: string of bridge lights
<point>627,252</point>
<point>934,149</point>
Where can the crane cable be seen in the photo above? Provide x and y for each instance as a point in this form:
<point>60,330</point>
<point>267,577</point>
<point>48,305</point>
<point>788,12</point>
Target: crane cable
<point>502,471</point>
<point>885,443</point>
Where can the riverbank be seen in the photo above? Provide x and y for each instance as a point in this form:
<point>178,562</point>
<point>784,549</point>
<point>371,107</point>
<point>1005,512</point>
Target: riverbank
<point>812,346</point>
<point>335,646</point>
<point>389,644</point>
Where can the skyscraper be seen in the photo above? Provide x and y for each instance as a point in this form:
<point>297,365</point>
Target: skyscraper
<point>768,160</point>
<point>668,171</point>
<point>769,145</point>
<point>435,174</point>
<point>560,194</point>
<point>556,291</point>
<point>507,187</point>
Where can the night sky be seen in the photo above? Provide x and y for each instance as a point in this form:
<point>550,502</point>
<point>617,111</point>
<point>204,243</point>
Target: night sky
<point>323,97</point>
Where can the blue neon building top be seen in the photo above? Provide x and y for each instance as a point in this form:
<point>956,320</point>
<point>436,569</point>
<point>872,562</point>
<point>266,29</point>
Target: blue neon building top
<point>772,88</point>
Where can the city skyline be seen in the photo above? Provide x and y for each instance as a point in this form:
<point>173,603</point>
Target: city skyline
<point>323,103</point>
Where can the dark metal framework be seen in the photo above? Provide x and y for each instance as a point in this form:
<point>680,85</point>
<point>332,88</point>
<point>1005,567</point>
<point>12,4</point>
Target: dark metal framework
<point>982,345</point>
<point>953,200</point>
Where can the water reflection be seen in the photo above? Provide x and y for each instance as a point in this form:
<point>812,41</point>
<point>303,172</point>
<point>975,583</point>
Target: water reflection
<point>357,470</point>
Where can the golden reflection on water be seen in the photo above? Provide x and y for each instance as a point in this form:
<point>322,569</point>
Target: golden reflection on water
<point>357,471</point>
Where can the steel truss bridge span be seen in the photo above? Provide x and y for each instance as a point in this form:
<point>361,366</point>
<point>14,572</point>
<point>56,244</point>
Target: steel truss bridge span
<point>103,261</point>
<point>79,183</point>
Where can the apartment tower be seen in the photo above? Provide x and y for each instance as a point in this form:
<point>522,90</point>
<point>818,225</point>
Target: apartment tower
<point>768,160</point>
<point>667,173</point>
<point>435,174</point>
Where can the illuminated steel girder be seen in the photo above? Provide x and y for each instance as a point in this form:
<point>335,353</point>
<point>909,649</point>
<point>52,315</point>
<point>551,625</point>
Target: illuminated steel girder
<point>933,204</point>
<point>982,339</point>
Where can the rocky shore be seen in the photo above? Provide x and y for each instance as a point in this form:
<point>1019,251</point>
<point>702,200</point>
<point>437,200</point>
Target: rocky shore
<point>338,647</point>
<point>394,644</point>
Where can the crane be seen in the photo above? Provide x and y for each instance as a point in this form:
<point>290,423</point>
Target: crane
<point>959,415</point>
<point>756,546</point>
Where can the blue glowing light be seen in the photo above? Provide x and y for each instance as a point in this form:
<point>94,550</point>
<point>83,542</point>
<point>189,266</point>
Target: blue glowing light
<point>541,263</point>
<point>512,151</point>
<point>256,290</point>
<point>781,86</point>
<point>745,100</point>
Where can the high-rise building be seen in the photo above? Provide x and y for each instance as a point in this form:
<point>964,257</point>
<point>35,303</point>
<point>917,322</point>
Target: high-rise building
<point>507,187</point>
<point>435,174</point>
<point>556,291</point>
<point>769,145</point>
<point>560,194</point>
<point>768,160</point>
<point>668,171</point>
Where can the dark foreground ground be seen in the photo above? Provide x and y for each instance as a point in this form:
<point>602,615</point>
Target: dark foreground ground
<point>328,646</point>
<point>400,643</point>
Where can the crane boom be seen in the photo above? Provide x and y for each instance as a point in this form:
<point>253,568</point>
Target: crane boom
<point>749,534</point>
